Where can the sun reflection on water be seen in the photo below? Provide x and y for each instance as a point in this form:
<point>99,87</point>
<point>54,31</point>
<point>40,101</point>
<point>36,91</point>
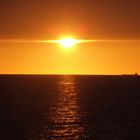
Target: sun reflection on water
<point>65,118</point>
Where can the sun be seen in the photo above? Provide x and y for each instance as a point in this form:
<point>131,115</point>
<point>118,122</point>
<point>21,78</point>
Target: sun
<point>67,42</point>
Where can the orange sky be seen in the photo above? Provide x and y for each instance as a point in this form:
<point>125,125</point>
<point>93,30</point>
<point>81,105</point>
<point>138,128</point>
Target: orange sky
<point>93,58</point>
<point>83,19</point>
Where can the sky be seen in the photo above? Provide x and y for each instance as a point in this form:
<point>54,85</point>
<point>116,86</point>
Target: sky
<point>83,19</point>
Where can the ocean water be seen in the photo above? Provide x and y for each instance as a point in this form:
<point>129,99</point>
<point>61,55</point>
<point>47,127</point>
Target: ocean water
<point>44,107</point>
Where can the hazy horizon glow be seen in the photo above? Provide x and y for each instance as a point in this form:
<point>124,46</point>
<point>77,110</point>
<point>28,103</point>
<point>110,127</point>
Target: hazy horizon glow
<point>87,57</point>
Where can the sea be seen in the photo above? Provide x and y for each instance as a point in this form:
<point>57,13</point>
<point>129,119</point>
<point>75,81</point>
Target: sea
<point>69,107</point>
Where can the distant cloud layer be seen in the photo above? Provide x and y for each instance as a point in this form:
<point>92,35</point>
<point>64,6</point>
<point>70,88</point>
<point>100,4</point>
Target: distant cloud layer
<point>36,19</point>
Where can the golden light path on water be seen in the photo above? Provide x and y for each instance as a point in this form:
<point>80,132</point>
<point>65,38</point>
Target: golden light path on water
<point>65,118</point>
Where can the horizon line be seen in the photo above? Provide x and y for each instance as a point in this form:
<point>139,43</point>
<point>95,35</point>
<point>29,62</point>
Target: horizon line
<point>127,74</point>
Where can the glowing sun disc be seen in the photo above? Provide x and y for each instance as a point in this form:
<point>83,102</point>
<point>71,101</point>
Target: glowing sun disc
<point>67,42</point>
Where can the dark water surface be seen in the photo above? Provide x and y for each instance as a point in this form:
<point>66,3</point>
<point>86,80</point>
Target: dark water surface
<point>69,107</point>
